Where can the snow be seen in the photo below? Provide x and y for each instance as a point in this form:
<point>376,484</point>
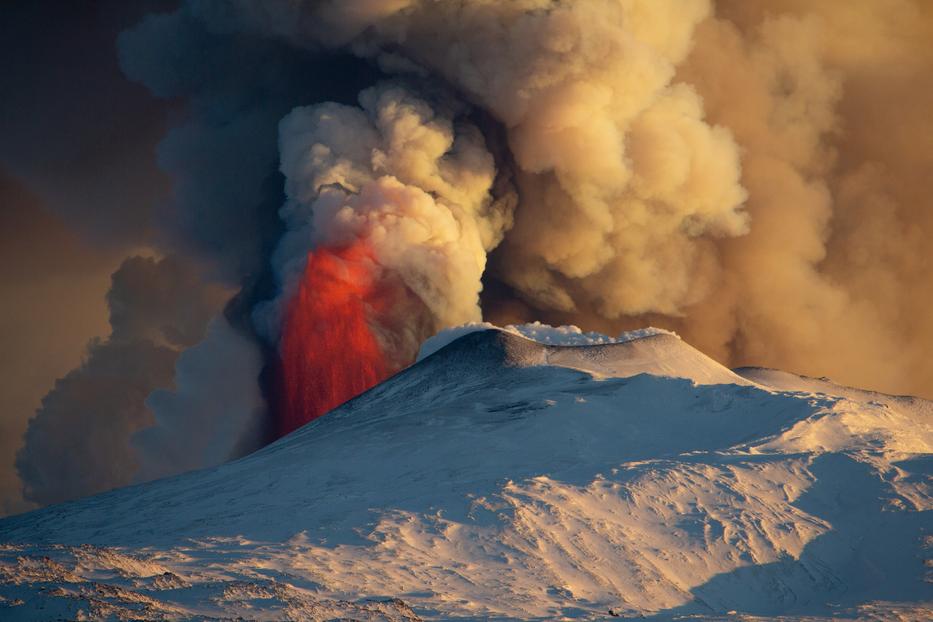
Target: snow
<point>567,335</point>
<point>504,478</point>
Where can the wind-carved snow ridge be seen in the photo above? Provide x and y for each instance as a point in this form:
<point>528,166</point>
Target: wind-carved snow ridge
<point>508,479</point>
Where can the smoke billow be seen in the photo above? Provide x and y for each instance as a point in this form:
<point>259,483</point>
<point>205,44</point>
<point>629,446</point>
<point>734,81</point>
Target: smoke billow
<point>397,194</point>
<point>215,412</point>
<point>753,174</point>
<point>625,180</point>
<point>413,183</point>
<point>622,178</point>
<point>831,106</point>
<point>78,443</point>
<point>750,173</point>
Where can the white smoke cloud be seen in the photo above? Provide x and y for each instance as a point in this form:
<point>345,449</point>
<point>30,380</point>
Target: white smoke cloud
<point>408,178</point>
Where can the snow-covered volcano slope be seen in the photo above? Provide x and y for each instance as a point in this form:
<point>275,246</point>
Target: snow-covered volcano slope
<point>500,478</point>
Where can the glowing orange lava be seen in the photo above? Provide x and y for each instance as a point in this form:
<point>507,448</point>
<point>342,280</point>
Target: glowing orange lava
<point>328,351</point>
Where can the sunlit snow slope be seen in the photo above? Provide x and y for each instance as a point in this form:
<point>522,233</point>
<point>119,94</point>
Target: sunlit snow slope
<point>500,478</point>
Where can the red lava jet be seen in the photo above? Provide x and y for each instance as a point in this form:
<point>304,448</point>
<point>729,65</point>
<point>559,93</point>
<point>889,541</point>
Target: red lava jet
<point>329,353</point>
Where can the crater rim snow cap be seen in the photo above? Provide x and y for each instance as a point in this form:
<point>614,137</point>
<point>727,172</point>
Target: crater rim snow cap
<point>544,334</point>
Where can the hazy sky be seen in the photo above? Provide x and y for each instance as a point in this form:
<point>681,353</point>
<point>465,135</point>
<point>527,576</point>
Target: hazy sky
<point>78,179</point>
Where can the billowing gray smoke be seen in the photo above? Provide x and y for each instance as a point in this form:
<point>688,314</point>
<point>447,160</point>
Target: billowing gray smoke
<point>623,182</point>
<point>719,169</point>
<point>751,174</point>
<point>79,441</point>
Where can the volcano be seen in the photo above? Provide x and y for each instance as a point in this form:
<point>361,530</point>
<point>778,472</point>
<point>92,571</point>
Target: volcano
<point>500,478</point>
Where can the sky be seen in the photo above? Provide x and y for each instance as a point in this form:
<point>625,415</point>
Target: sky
<point>77,180</point>
<point>199,199</point>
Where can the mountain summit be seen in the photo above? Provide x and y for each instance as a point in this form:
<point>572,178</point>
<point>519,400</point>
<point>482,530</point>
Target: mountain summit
<point>503,478</point>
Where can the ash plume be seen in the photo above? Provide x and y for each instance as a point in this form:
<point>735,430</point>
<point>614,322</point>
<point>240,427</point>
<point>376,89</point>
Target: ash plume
<point>744,172</point>
<point>831,107</point>
<point>412,181</point>
<point>751,174</point>
<point>802,249</point>
<point>618,171</point>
